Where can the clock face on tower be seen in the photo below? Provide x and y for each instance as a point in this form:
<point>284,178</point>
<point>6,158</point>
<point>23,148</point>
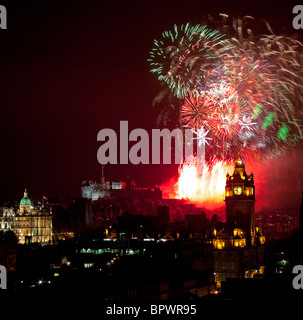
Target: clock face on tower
<point>237,191</point>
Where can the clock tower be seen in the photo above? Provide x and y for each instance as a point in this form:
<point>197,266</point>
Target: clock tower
<point>240,200</point>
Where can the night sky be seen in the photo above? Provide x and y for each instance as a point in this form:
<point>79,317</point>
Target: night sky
<point>72,68</point>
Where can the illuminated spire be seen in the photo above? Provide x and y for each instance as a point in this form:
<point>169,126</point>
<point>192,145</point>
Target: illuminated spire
<point>239,162</point>
<point>240,167</point>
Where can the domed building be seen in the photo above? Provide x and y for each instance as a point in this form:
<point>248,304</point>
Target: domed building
<point>30,223</point>
<point>25,204</point>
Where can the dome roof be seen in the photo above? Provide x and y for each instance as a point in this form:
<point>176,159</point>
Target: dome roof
<point>25,201</point>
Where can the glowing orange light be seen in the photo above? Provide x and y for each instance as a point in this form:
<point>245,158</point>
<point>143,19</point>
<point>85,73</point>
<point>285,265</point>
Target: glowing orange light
<point>203,184</point>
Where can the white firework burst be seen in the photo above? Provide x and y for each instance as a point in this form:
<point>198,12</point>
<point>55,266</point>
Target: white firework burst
<point>201,136</point>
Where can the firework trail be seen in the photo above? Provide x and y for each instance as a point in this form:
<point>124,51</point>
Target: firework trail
<point>184,55</point>
<point>239,86</point>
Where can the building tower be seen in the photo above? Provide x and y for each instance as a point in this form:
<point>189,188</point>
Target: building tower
<point>240,201</point>
<point>25,203</point>
<point>238,247</point>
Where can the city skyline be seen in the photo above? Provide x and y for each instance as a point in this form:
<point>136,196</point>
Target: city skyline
<point>151,156</point>
<point>190,256</point>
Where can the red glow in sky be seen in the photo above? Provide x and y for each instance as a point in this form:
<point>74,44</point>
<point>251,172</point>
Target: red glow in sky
<point>272,182</point>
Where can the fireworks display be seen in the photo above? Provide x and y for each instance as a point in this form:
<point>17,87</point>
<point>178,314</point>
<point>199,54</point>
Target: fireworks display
<point>244,89</point>
<point>184,55</point>
<point>207,187</point>
<point>239,88</point>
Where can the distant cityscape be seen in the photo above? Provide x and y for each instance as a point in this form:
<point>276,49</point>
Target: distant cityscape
<point>130,243</point>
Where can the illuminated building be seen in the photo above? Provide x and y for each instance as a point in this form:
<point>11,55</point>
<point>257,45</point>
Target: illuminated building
<point>29,223</point>
<point>25,204</point>
<point>238,248</point>
<point>240,200</point>
<point>94,190</point>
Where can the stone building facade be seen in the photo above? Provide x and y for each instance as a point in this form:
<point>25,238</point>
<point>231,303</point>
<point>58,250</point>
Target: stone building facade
<point>29,223</point>
<point>239,247</point>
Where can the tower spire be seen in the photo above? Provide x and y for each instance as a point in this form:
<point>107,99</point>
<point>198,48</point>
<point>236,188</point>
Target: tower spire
<point>239,163</point>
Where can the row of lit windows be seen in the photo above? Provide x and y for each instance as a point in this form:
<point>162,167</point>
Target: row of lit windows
<point>32,232</point>
<point>104,250</point>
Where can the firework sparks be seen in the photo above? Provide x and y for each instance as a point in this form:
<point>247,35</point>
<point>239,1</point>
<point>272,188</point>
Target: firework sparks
<point>184,55</point>
<point>247,123</point>
<point>206,187</point>
<point>238,81</point>
<point>201,136</point>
